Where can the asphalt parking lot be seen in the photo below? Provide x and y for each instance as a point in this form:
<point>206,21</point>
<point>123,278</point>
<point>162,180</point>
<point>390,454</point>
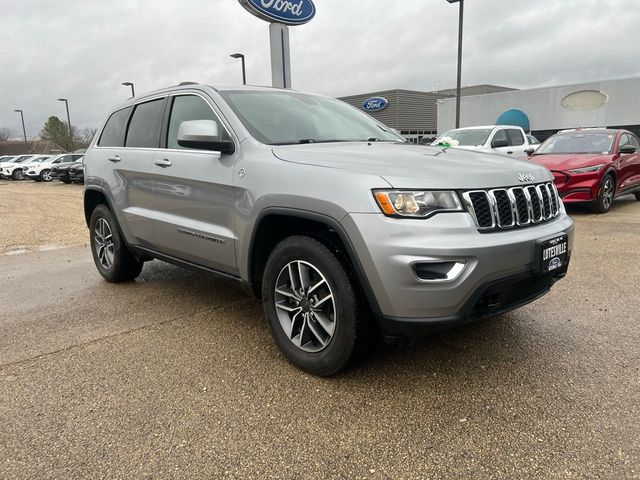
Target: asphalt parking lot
<point>176,376</point>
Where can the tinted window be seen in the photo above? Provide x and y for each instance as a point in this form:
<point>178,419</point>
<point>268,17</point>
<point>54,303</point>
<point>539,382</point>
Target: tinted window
<point>624,140</point>
<point>515,137</point>
<point>500,135</point>
<point>113,133</point>
<point>184,109</point>
<point>144,127</point>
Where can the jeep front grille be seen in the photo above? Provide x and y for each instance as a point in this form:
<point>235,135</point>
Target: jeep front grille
<point>504,208</point>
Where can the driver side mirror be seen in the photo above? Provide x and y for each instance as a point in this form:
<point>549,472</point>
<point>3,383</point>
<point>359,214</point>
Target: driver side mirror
<point>499,142</point>
<point>203,135</point>
<point>626,149</point>
<point>529,151</point>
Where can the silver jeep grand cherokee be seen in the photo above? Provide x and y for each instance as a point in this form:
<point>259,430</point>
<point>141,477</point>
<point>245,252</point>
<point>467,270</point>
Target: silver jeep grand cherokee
<point>336,222</point>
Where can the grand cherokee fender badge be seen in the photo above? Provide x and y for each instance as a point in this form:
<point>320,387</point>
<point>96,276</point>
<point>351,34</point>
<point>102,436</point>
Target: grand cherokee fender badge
<point>201,236</point>
<point>526,177</point>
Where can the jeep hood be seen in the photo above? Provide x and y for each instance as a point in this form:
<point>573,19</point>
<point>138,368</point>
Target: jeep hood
<point>415,166</point>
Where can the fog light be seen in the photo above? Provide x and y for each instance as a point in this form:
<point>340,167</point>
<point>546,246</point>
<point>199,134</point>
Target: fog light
<point>438,271</point>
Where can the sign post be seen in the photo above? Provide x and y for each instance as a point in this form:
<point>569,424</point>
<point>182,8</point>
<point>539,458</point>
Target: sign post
<point>280,14</point>
<point>280,62</point>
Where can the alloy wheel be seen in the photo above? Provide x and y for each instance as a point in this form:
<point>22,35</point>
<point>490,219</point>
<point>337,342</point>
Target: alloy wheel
<point>305,306</point>
<point>46,175</point>
<point>607,193</point>
<point>18,174</point>
<point>104,245</point>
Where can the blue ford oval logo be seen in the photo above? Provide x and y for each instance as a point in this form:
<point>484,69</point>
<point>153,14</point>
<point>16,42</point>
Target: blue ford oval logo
<point>375,104</point>
<point>290,12</point>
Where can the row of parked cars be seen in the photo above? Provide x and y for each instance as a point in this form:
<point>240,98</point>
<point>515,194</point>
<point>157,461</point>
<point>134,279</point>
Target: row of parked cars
<point>67,167</point>
<point>589,165</point>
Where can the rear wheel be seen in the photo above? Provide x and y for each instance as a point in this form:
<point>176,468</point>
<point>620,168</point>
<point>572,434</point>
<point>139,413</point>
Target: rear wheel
<point>312,306</point>
<point>110,254</point>
<point>605,194</point>
<point>45,176</point>
<point>18,174</point>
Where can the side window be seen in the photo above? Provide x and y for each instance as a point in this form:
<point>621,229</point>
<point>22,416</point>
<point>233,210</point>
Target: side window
<point>624,140</point>
<point>113,133</point>
<point>500,135</point>
<point>185,108</point>
<point>144,127</point>
<point>515,137</point>
<point>634,141</point>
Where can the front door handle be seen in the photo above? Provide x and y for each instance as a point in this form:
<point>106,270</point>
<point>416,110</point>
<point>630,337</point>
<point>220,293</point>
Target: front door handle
<point>164,163</point>
<point>509,153</point>
<point>115,158</point>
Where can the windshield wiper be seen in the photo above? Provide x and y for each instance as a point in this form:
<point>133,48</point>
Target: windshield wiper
<point>307,140</point>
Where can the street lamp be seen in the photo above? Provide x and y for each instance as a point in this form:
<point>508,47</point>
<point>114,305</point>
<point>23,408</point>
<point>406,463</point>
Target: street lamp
<point>460,16</point>
<point>24,132</point>
<point>66,102</point>
<point>129,84</point>
<point>244,74</point>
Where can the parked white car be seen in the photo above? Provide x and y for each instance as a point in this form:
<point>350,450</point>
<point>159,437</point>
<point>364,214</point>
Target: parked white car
<point>503,139</point>
<point>41,171</point>
<point>15,168</point>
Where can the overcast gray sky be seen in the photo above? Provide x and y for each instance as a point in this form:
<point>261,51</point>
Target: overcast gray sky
<point>83,49</point>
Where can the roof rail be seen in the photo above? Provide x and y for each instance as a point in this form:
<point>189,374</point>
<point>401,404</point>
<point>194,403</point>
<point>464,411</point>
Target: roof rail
<point>187,83</point>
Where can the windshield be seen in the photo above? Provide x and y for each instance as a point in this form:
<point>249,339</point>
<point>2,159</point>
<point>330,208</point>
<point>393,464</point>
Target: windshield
<point>282,118</point>
<point>475,137</point>
<point>22,159</point>
<point>38,159</point>
<point>578,142</point>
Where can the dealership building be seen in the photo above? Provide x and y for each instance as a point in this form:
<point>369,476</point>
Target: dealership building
<point>610,103</point>
<point>413,113</point>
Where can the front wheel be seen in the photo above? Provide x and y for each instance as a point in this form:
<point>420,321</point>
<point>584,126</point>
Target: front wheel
<point>605,195</point>
<point>311,306</point>
<point>45,176</point>
<point>18,174</point>
<point>111,256</point>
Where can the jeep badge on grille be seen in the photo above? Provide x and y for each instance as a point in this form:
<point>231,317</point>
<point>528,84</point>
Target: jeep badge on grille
<point>526,177</point>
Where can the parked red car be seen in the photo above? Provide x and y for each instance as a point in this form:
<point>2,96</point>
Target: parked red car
<point>592,165</point>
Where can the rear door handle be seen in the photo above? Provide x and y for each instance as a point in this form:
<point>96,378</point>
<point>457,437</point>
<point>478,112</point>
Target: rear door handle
<point>164,163</point>
<point>115,158</point>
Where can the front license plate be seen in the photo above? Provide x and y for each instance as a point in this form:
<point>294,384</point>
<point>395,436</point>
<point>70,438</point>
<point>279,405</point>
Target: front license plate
<point>553,254</point>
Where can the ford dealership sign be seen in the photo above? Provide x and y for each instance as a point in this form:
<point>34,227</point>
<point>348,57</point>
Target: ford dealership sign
<point>375,104</point>
<point>289,12</point>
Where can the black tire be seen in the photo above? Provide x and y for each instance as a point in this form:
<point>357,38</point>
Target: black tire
<point>66,181</point>
<point>637,194</point>
<point>606,192</point>
<point>18,174</point>
<point>123,266</point>
<point>349,322</point>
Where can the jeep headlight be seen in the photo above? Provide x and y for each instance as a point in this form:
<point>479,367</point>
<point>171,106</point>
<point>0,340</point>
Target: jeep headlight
<point>594,168</point>
<point>416,204</point>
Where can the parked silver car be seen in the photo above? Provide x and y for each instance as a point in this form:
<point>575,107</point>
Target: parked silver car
<point>337,223</point>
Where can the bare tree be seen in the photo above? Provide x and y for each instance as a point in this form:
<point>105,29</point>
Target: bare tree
<point>83,138</point>
<point>5,134</point>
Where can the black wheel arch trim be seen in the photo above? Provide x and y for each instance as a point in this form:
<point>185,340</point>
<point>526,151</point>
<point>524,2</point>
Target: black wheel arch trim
<point>334,225</point>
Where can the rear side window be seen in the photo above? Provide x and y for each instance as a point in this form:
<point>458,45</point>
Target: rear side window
<point>144,127</point>
<point>186,108</point>
<point>515,137</point>
<point>113,133</point>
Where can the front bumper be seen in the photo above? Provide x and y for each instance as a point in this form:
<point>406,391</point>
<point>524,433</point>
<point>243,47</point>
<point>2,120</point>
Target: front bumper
<point>408,305</point>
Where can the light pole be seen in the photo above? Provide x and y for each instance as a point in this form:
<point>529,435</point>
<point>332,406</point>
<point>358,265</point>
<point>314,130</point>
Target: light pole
<point>458,85</point>
<point>129,84</point>
<point>244,73</point>
<point>24,132</point>
<point>66,102</point>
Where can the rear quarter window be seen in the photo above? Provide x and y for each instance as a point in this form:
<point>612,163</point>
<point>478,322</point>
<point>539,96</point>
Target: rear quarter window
<point>113,132</point>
